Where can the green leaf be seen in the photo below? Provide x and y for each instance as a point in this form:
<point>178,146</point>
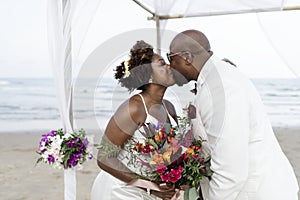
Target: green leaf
<point>191,194</point>
<point>38,160</point>
<point>152,142</point>
<point>107,149</point>
<point>186,195</point>
<point>167,127</point>
<point>207,159</point>
<point>165,146</point>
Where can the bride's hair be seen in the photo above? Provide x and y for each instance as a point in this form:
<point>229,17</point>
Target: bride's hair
<point>136,72</point>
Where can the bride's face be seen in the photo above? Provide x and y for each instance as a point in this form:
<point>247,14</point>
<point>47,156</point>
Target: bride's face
<point>161,72</point>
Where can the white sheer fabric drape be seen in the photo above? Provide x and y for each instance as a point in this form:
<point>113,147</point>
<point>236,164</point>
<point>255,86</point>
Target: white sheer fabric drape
<point>68,22</point>
<point>57,42</point>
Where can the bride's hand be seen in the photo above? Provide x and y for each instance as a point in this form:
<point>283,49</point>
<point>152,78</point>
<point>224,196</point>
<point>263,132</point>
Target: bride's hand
<point>166,192</point>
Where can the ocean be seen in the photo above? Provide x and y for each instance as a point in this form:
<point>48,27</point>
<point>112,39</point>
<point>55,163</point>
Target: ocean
<point>34,100</point>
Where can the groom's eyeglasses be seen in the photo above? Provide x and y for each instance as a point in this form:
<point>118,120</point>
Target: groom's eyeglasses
<point>170,55</point>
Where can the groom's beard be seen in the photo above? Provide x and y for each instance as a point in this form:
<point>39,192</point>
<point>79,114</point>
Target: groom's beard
<point>180,80</point>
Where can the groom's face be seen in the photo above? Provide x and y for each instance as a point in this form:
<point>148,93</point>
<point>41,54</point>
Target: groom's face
<point>178,65</point>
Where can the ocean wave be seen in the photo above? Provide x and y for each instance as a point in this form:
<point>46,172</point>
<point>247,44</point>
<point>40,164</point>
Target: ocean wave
<point>12,88</point>
<point>10,109</point>
<point>35,98</point>
<point>45,108</point>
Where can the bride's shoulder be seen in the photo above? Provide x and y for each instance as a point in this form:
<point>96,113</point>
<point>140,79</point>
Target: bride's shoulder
<point>136,102</point>
<point>134,108</point>
<point>134,105</point>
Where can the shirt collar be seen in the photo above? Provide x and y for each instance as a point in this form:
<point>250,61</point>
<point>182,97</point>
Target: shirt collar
<point>205,70</point>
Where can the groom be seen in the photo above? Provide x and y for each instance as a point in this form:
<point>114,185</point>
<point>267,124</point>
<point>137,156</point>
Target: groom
<point>247,160</point>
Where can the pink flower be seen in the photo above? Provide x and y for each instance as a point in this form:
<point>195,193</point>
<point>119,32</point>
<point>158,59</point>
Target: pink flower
<point>165,177</point>
<point>173,176</point>
<point>161,168</point>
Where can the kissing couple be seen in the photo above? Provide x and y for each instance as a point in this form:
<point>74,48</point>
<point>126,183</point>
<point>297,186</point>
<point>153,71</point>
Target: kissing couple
<point>245,159</point>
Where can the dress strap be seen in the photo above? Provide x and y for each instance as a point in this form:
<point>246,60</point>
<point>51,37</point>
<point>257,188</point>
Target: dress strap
<point>144,104</point>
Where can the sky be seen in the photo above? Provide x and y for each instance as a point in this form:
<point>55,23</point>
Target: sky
<point>263,45</point>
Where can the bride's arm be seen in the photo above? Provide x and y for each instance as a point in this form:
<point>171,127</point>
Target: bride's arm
<point>119,129</point>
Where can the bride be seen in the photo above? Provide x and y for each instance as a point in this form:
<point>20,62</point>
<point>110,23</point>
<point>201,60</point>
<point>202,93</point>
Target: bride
<point>148,72</point>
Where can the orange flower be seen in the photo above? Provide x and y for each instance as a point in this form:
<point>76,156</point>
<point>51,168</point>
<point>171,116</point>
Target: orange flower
<point>157,138</point>
<point>160,133</point>
<point>167,156</point>
<point>190,151</point>
<point>138,147</point>
<point>158,158</point>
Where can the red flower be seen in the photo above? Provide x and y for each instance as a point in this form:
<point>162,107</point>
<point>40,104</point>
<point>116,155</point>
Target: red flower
<point>172,131</point>
<point>184,157</point>
<point>147,149</point>
<point>165,177</point>
<point>173,176</point>
<point>161,168</point>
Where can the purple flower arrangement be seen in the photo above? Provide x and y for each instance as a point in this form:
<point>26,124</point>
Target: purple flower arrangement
<point>64,150</point>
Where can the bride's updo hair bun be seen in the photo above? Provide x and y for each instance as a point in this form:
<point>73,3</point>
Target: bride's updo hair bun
<point>136,72</point>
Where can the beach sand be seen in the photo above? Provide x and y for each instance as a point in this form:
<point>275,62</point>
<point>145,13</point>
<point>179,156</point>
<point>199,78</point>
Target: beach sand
<point>20,179</point>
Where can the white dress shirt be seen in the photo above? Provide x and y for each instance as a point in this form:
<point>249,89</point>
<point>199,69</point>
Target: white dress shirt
<point>247,160</point>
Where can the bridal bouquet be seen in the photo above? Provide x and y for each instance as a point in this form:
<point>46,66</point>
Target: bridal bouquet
<point>171,154</point>
<point>64,150</point>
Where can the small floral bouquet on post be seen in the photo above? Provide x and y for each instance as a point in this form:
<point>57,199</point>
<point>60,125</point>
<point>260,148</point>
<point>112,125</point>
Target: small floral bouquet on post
<point>64,150</point>
<point>171,155</point>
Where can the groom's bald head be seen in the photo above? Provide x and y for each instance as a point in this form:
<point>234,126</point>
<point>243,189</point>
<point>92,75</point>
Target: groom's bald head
<point>189,51</point>
<point>190,40</point>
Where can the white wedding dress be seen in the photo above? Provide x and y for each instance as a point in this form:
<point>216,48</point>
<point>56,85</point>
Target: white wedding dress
<point>108,187</point>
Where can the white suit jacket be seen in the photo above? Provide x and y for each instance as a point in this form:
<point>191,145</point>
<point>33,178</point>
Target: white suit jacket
<point>247,160</point>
